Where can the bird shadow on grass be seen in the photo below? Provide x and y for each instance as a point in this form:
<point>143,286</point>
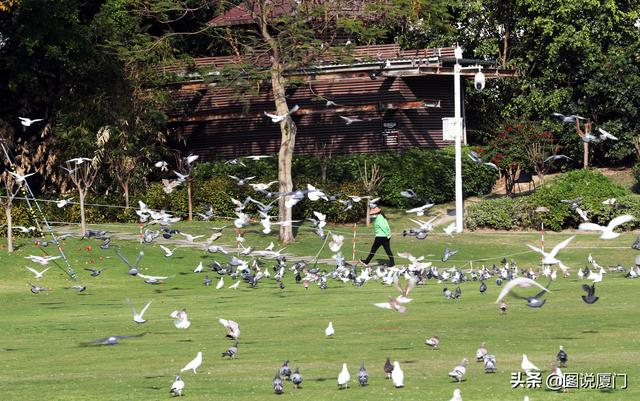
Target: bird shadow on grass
<point>396,349</point>
<point>153,388</point>
<point>154,377</point>
<point>51,303</point>
<point>409,361</point>
<point>565,338</point>
<point>185,341</point>
<point>322,379</point>
<point>590,331</point>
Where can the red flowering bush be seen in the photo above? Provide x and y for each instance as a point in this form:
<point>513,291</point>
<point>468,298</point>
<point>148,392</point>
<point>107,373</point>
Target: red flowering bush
<point>512,149</point>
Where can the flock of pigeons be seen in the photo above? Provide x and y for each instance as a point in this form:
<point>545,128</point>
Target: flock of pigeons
<point>245,264</point>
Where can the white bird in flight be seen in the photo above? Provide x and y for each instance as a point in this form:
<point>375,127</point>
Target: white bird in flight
<point>181,320</point>
<point>27,121</point>
<point>42,260</point>
<point>20,177</point>
<point>607,231</point>
<point>350,120</point>
<point>139,317</point>
<point>162,165</point>
<point>521,282</point>
<point>37,273</point>
<point>275,118</point>
<point>63,202</point>
<point>549,258</point>
<point>168,252</point>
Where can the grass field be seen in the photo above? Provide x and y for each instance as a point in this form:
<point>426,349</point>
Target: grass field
<point>42,356</point>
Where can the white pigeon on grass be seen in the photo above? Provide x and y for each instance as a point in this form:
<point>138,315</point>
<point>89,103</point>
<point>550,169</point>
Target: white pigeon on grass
<point>198,268</point>
<point>329,330</point>
<point>459,371</point>
<point>397,375</point>
<point>344,377</point>
<point>177,386</point>
<point>457,396</point>
<point>235,286</point>
<point>607,231</point>
<point>527,366</point>
<point>194,364</point>
<point>220,283</point>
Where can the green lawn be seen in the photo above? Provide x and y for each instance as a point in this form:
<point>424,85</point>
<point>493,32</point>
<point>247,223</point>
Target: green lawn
<point>42,356</point>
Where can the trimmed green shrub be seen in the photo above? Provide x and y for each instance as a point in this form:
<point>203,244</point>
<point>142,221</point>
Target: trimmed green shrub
<point>591,185</point>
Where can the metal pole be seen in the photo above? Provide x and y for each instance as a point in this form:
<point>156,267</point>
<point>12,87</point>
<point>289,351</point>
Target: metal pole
<point>458,146</point>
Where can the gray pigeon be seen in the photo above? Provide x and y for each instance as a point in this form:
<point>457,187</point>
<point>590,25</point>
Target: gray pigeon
<point>448,253</point>
<point>277,383</point>
<point>285,370</point>
<point>483,287</point>
<point>133,269</point>
<point>388,368</point>
<point>447,293</point>
<point>206,281</point>
<point>112,340</point>
<point>36,290</point>
<point>562,357</point>
<point>296,378</point>
<point>231,352</point>
<point>489,364</point>
<point>363,376</point>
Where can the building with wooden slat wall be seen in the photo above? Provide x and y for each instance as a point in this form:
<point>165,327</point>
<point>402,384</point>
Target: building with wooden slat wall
<point>402,107</point>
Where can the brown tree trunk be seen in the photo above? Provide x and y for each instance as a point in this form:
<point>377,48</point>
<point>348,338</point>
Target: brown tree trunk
<point>189,200</point>
<point>125,189</point>
<point>585,157</point>
<point>7,211</point>
<point>83,225</point>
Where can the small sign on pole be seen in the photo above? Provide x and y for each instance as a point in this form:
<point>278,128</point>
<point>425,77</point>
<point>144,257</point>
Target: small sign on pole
<point>450,128</point>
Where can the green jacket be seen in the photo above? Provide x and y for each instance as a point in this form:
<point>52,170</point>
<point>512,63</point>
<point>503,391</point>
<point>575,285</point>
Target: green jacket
<point>381,226</point>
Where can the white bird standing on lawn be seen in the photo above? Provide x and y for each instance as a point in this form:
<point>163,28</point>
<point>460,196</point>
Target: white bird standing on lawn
<point>37,273</point>
<point>344,377</point>
<point>397,375</point>
<point>199,268</point>
<point>177,387</point>
<point>194,364</point>
<point>527,366</point>
<point>139,317</point>
<point>457,396</point>
<point>235,286</point>
<point>329,330</point>
<point>607,231</point>
<point>220,283</point>
<point>459,371</point>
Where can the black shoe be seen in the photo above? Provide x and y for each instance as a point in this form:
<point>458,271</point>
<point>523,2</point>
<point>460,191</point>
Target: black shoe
<point>364,261</point>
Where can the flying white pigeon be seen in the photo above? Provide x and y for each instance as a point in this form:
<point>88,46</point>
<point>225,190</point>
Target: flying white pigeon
<point>27,121</point>
<point>63,202</point>
<point>329,330</point>
<point>419,211</point>
<point>549,258</point>
<point>138,317</point>
<point>607,232</point>
<point>606,135</point>
<point>42,260</point>
<point>194,364</point>
<point>20,177</point>
<point>162,165</point>
<point>275,118</point>
<point>191,158</point>
<point>521,282</point>
<point>167,252</point>
<point>336,242</point>
<point>450,229</point>
<point>37,273</point>
<point>233,328</point>
<point>220,283</point>
<point>527,366</point>
<point>181,319</point>
<point>397,375</point>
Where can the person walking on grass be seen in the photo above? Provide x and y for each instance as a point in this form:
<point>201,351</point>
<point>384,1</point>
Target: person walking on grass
<point>383,236</point>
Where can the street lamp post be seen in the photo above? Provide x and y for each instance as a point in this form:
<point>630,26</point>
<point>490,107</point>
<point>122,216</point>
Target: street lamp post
<point>479,84</point>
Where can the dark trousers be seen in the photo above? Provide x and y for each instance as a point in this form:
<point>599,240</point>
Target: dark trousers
<point>385,243</point>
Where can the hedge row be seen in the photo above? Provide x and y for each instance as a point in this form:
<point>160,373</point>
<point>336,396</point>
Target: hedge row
<point>520,212</point>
